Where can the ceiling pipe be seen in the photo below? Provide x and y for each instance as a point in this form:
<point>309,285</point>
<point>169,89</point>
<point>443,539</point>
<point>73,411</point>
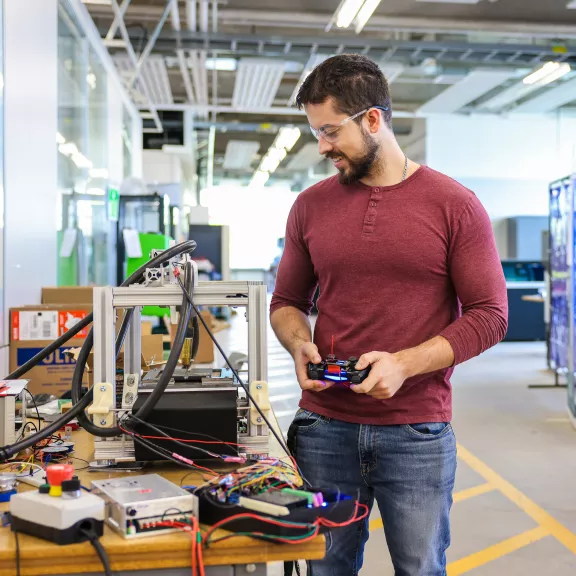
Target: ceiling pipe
<point>191,15</point>
<point>379,23</point>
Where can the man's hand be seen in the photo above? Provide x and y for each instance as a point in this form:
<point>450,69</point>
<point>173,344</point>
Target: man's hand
<point>308,352</point>
<point>386,376</point>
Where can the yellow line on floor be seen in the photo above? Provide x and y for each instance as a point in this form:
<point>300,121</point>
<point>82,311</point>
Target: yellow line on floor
<point>471,492</point>
<point>497,551</point>
<point>458,497</point>
<point>539,515</point>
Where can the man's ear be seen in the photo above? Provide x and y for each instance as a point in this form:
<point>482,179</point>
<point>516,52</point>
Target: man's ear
<point>374,119</point>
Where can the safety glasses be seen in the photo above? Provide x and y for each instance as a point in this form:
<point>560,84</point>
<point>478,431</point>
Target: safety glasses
<point>330,131</point>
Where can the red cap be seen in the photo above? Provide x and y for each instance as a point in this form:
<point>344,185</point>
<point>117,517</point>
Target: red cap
<point>57,473</point>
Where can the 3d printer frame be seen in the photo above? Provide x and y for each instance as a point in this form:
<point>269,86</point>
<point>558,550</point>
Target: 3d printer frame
<point>250,295</point>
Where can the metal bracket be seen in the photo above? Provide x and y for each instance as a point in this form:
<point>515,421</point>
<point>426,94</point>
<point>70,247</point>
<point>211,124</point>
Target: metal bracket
<point>103,404</point>
<point>259,391</point>
<point>130,391</point>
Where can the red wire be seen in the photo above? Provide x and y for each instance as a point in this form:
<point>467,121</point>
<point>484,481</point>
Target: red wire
<point>193,441</point>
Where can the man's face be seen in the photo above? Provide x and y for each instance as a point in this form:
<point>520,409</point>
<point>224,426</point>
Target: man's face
<point>350,145</point>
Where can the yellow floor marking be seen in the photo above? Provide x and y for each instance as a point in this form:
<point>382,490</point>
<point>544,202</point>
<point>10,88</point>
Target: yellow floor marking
<point>538,514</point>
<point>458,497</point>
<point>497,551</point>
<point>471,492</point>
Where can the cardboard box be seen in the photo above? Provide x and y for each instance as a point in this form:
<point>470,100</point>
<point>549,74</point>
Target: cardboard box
<point>54,374</point>
<point>67,295</point>
<point>32,328</point>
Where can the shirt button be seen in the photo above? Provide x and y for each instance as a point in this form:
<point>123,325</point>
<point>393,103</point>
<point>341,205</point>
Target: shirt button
<point>376,189</point>
<point>373,204</point>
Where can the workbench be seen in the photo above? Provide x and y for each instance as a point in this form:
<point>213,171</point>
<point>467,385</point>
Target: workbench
<point>169,554</point>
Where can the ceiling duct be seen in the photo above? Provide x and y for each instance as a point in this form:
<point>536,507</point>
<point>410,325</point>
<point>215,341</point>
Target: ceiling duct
<point>240,154</point>
<point>307,157</point>
<point>549,100</point>
<point>257,81</point>
<point>470,88</point>
<point>154,74</point>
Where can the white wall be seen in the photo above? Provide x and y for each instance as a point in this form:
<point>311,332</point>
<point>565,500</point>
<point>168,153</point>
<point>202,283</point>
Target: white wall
<point>507,162</point>
<point>30,179</point>
<point>160,167</point>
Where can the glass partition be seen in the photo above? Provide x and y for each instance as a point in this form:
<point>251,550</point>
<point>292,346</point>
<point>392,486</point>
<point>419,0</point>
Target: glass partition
<point>82,141</point>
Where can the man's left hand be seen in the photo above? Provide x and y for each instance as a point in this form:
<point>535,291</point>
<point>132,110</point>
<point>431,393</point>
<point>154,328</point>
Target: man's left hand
<point>386,376</point>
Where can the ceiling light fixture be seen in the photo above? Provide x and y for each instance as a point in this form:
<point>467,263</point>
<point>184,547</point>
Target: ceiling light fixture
<point>365,14</point>
<point>286,138</point>
<point>259,179</point>
<point>347,12</point>
<point>550,72</point>
<point>284,142</point>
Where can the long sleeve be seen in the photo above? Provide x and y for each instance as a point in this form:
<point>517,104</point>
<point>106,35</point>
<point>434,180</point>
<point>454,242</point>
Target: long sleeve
<point>296,280</point>
<point>478,279</point>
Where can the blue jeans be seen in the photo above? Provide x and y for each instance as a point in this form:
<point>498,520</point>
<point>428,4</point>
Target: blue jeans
<point>408,469</point>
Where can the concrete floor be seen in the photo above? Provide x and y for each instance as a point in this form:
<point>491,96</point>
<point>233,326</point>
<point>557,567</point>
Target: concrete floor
<point>516,444</point>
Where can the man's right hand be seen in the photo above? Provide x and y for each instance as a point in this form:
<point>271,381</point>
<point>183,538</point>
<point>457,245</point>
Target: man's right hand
<point>308,352</point>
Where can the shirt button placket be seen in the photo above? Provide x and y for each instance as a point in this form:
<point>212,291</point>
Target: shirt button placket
<point>370,217</point>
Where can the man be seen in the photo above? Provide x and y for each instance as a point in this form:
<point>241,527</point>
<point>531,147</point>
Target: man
<point>411,283</point>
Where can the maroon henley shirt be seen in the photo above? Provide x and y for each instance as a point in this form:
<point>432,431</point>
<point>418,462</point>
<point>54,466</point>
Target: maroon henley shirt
<point>396,266</point>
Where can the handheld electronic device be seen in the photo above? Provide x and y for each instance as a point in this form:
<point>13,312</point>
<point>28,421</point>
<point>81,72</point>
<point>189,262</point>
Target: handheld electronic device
<point>335,370</point>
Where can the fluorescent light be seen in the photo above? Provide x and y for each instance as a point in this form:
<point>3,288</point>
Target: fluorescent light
<point>260,178</point>
<point>365,14</point>
<point>59,138</point>
<point>572,5</point>
<point>98,173</point>
<point>277,153</point>
<point>548,73</point>
<point>286,138</point>
<point>95,192</point>
<point>272,159</point>
<point>347,12</point>
<point>221,64</point>
<point>81,161</point>
<point>68,148</point>
<point>269,164</point>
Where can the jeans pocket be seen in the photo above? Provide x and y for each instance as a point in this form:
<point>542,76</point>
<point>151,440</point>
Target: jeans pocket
<point>429,429</point>
<point>306,420</point>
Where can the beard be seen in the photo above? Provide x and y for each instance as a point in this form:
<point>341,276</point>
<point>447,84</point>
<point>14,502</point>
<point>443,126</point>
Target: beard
<point>360,166</point>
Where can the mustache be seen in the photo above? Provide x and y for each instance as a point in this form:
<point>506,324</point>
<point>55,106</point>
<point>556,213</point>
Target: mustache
<point>331,155</point>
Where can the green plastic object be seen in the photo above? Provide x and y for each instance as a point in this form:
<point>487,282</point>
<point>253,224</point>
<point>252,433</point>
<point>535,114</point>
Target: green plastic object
<point>67,267</point>
<point>149,242</point>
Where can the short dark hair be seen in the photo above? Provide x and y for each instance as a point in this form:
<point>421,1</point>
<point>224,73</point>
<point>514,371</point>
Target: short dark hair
<point>354,82</point>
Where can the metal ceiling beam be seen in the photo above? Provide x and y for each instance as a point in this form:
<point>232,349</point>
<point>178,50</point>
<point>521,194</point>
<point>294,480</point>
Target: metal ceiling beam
<point>470,88</point>
<point>301,48</point>
<point>150,44</point>
<point>268,18</point>
<point>274,111</point>
<point>132,55</point>
<point>115,22</point>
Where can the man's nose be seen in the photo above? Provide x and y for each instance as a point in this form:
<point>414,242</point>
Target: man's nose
<point>323,146</point>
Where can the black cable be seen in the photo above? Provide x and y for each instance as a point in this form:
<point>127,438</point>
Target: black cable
<point>234,371</point>
<point>7,452</point>
<point>81,403</point>
<point>50,348</point>
<point>185,314</point>
<point>160,428</point>
<point>35,405</point>
<point>97,545</point>
<point>152,400</point>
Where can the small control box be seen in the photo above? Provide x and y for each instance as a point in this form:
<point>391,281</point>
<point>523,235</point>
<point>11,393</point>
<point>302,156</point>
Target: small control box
<point>341,371</point>
<point>142,505</point>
